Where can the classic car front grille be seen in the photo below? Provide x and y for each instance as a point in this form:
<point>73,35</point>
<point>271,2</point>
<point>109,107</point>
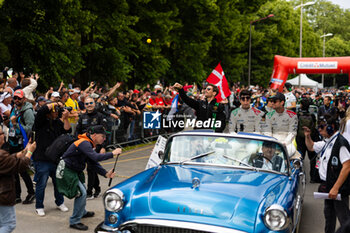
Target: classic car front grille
<point>163,229</point>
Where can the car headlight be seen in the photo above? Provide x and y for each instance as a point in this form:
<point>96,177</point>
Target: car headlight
<point>113,200</point>
<point>276,218</point>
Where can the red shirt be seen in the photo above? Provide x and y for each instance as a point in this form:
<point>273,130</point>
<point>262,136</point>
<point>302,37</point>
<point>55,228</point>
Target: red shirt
<point>169,101</point>
<point>152,101</point>
<point>160,101</point>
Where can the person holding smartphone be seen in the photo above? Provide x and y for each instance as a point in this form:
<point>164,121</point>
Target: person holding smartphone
<point>9,166</point>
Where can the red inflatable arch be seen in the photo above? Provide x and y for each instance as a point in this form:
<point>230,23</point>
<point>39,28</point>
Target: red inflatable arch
<point>283,66</point>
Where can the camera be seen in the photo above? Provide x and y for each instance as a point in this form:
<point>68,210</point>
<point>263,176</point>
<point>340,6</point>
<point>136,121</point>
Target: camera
<point>68,108</point>
<point>61,110</point>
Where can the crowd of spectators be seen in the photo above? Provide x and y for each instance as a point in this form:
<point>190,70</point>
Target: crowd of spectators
<point>120,112</point>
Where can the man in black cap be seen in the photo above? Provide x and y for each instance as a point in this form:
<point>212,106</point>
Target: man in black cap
<point>291,101</point>
<point>245,118</point>
<point>282,123</point>
<point>77,155</point>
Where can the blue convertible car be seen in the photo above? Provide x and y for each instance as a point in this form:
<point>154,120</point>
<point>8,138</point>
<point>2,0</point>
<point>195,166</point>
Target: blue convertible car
<point>211,182</point>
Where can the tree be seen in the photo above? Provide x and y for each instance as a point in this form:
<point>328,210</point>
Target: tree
<point>35,43</point>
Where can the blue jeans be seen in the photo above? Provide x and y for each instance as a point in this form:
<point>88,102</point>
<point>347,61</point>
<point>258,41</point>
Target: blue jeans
<point>7,219</point>
<point>43,170</point>
<point>79,206</point>
<point>131,130</point>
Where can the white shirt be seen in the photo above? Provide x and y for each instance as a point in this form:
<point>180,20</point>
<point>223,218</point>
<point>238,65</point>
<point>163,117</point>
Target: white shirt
<point>283,126</point>
<point>346,133</point>
<point>28,90</point>
<point>290,98</point>
<point>246,120</point>
<point>325,148</point>
<point>4,108</point>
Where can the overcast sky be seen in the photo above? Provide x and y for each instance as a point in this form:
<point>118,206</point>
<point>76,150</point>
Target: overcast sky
<point>342,3</point>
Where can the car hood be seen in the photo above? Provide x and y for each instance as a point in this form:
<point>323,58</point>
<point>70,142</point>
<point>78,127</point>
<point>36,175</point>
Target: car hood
<point>208,194</point>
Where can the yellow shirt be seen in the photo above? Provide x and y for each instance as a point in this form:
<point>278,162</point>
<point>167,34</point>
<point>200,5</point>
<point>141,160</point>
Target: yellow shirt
<point>74,104</point>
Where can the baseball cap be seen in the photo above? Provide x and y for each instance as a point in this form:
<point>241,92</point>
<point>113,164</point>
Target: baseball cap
<point>98,129</point>
<point>278,96</point>
<point>94,95</point>
<point>55,94</point>
<point>41,98</point>
<point>19,93</point>
<point>288,85</point>
<point>73,91</point>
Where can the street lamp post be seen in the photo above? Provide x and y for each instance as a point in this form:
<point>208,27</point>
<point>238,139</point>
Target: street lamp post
<point>324,49</point>
<point>250,43</point>
<point>301,29</point>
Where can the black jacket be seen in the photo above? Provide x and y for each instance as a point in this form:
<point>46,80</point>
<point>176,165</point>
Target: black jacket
<point>334,166</point>
<point>205,110</point>
<point>90,119</point>
<point>81,152</point>
<point>323,110</point>
<point>46,131</point>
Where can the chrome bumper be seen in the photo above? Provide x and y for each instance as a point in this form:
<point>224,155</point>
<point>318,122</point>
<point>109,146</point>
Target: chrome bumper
<point>101,228</point>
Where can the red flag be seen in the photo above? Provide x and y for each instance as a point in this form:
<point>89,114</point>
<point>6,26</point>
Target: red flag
<point>217,77</point>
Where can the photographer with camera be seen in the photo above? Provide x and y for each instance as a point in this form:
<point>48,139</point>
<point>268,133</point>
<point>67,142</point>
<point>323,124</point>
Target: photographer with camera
<point>47,127</point>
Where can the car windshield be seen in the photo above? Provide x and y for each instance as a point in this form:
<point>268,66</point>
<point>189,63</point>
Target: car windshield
<point>219,150</point>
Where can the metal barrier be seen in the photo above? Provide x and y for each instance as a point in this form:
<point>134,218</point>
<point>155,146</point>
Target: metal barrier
<point>128,132</point>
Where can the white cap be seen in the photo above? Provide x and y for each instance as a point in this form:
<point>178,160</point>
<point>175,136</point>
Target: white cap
<point>73,91</point>
<point>55,94</point>
<point>94,95</point>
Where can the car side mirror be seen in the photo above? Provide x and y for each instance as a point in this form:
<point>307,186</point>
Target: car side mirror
<point>161,155</point>
<point>297,164</point>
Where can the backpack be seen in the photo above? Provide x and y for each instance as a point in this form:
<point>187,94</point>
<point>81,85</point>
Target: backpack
<point>305,119</point>
<point>59,146</point>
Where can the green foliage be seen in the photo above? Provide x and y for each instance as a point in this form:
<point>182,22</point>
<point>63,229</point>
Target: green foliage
<point>337,47</point>
<point>106,40</point>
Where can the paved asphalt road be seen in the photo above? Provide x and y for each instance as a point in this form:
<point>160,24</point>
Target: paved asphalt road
<point>130,163</point>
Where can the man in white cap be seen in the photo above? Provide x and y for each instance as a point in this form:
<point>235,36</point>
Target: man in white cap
<point>55,96</point>
<point>5,105</point>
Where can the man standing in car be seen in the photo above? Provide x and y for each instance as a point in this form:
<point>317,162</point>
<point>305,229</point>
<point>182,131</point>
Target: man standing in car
<point>207,108</point>
<point>245,118</point>
<point>282,123</point>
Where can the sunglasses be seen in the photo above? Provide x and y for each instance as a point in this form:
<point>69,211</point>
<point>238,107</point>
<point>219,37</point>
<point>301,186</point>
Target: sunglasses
<point>89,103</point>
<point>244,98</point>
<point>209,89</point>
<point>17,98</point>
